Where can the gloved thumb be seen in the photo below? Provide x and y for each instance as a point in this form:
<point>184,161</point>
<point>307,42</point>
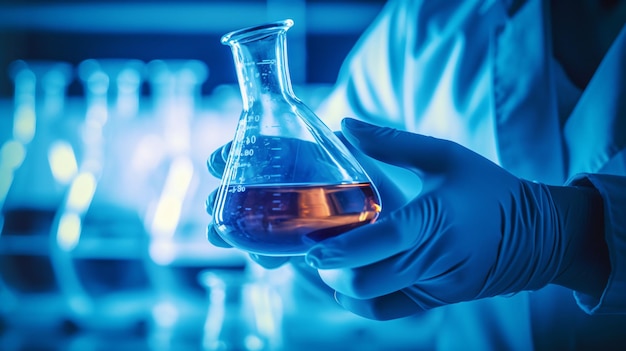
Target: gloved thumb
<point>412,151</point>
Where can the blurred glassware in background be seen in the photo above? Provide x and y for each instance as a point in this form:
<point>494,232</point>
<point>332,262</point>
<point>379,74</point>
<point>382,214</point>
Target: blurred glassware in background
<point>175,85</point>
<point>100,240</point>
<point>37,163</point>
<point>177,221</point>
<point>244,311</point>
<point>109,231</point>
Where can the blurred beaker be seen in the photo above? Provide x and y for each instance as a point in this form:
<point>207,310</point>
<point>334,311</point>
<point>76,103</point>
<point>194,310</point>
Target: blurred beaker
<point>177,221</point>
<point>100,240</point>
<point>244,312</point>
<point>37,162</point>
<point>40,126</point>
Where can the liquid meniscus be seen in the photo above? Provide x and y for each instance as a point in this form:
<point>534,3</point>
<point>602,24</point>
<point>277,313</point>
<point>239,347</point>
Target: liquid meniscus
<point>289,219</point>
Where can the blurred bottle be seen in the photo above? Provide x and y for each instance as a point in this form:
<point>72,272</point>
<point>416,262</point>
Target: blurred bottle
<point>177,221</point>
<point>40,128</point>
<point>244,312</point>
<point>99,236</point>
<point>37,163</point>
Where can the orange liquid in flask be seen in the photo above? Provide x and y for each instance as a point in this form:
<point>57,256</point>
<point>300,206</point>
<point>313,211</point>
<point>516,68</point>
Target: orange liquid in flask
<point>287,220</point>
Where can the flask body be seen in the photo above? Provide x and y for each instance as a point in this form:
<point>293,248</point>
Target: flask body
<point>289,181</point>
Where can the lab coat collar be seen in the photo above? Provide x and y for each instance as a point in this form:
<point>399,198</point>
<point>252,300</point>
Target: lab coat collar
<point>529,140</point>
<point>595,131</point>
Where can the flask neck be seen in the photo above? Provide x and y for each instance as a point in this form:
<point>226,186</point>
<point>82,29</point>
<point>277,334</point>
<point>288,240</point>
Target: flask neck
<point>262,69</point>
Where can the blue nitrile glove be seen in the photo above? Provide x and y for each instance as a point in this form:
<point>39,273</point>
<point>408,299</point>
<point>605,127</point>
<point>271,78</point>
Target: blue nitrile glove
<point>475,231</point>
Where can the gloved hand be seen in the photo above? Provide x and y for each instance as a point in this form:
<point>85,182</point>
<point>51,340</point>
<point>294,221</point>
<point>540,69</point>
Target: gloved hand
<point>475,231</point>
<point>391,196</point>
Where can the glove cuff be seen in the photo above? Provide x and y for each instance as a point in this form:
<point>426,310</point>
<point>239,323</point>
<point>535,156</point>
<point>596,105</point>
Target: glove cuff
<point>585,264</point>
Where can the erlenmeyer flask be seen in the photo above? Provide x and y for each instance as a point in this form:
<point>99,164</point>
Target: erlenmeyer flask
<point>289,182</point>
<point>99,239</point>
<point>37,163</point>
<point>244,312</point>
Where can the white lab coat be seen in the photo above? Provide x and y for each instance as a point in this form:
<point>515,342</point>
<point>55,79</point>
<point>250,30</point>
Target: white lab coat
<point>481,73</point>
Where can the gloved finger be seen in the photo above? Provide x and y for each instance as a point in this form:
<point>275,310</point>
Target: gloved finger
<point>210,202</point>
<point>422,272</point>
<point>390,235</point>
<point>391,306</point>
<point>269,262</point>
<point>392,197</point>
<point>214,237</point>
<point>309,277</point>
<point>377,279</point>
<point>412,151</point>
<point>266,261</point>
<point>216,163</point>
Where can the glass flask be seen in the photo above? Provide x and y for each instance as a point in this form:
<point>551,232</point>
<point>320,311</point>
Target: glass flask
<point>289,182</point>
<point>176,221</point>
<point>99,239</point>
<point>244,312</point>
<point>37,163</point>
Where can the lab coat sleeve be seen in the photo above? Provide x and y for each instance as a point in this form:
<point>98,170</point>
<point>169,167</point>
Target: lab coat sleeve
<point>391,76</point>
<point>368,86</point>
<point>613,191</point>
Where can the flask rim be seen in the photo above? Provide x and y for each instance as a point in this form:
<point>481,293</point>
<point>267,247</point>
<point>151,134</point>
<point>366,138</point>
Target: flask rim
<point>255,32</point>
